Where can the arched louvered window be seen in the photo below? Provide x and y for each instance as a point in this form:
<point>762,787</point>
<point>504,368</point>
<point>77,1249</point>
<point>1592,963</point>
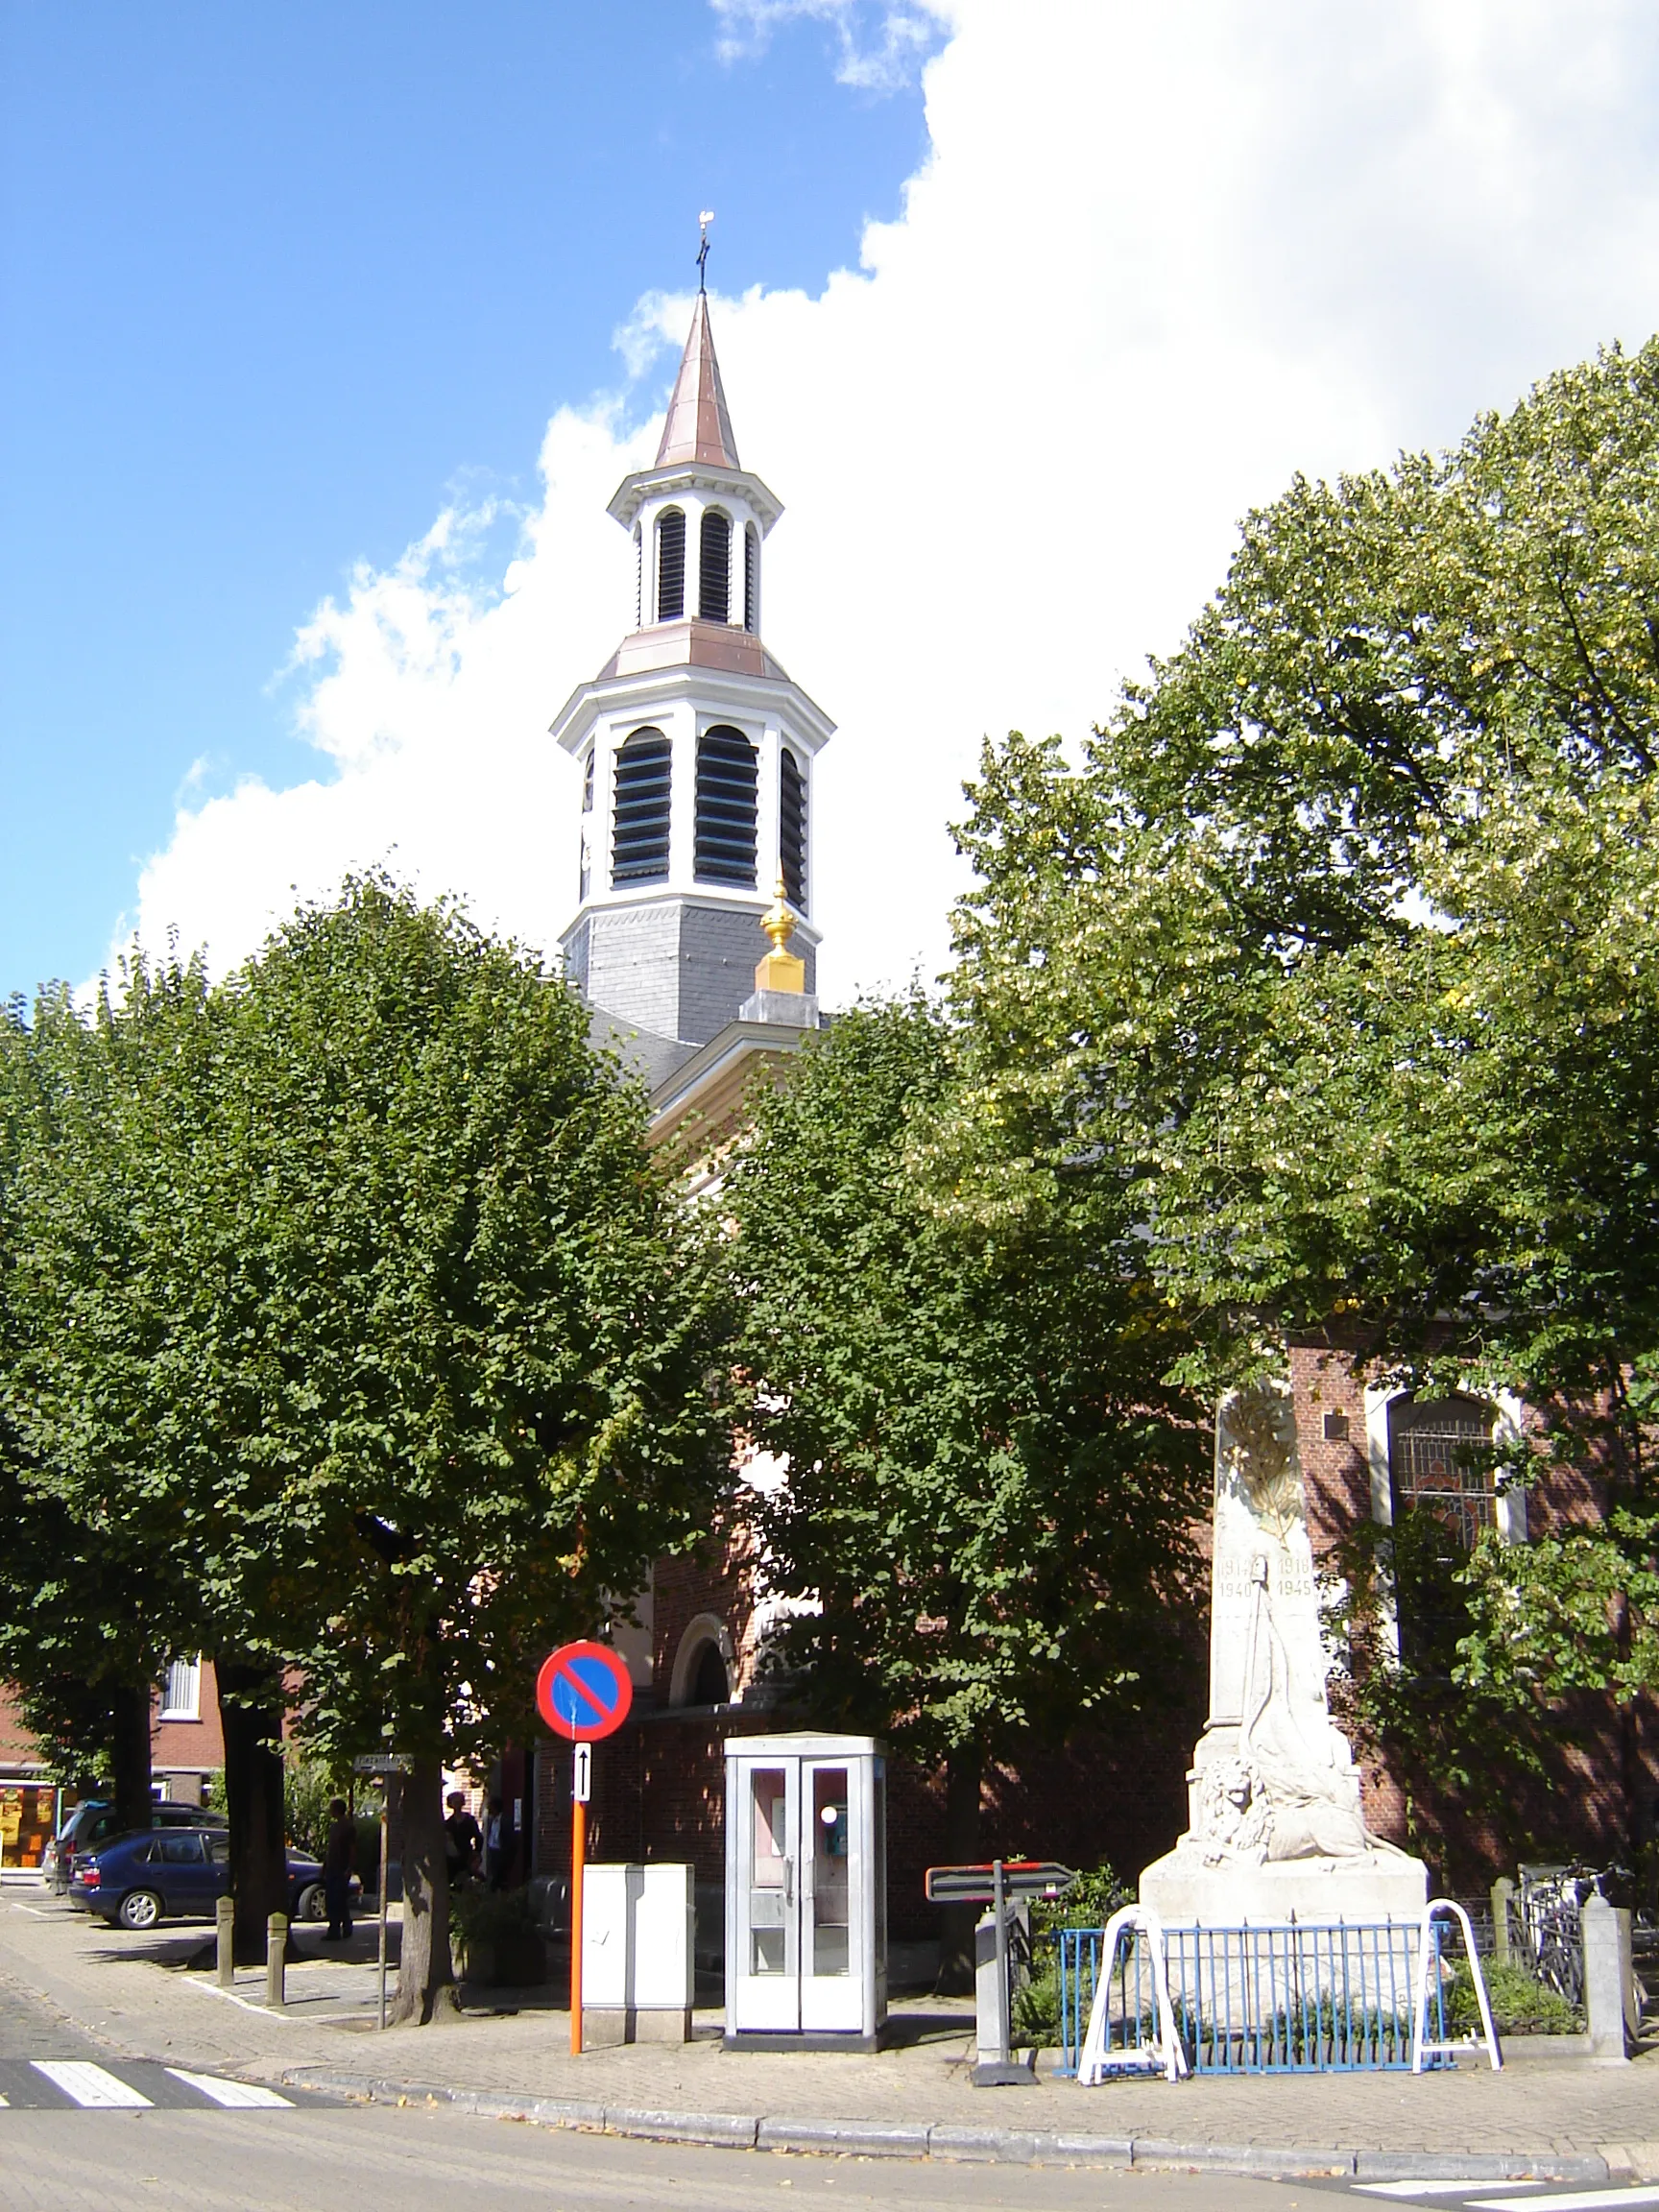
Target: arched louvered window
<point>639,837</point>
<point>715,567</point>
<point>588,781</point>
<point>727,792</point>
<point>792,829</point>
<point>638,576</point>
<point>670,566</point>
<point>752,580</point>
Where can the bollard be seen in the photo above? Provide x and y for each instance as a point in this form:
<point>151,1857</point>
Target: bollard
<point>275,1957</point>
<point>225,1913</point>
<point>1609,1980</point>
<point>1502,1891</point>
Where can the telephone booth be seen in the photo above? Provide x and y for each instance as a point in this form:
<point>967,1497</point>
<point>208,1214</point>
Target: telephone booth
<point>805,1891</point>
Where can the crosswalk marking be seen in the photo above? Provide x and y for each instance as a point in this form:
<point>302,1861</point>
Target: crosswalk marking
<point>234,2096</point>
<point>1430,2188</point>
<point>1568,2200</point>
<point>91,2087</point>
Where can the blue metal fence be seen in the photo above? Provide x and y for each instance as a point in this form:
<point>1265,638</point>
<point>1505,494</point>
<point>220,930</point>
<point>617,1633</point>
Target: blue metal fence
<point>1299,1999</point>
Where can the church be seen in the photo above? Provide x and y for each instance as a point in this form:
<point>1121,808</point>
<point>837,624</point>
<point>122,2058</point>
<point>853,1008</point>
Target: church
<point>694,944</point>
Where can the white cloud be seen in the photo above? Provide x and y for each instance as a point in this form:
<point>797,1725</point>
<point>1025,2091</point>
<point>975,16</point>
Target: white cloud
<point>881,47</point>
<point>1158,259</point>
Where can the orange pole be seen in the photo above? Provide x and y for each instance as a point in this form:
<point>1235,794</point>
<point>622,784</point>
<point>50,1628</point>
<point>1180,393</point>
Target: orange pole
<point>578,1867</point>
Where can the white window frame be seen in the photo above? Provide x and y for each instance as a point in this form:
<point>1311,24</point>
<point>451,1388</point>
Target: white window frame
<point>177,1670</point>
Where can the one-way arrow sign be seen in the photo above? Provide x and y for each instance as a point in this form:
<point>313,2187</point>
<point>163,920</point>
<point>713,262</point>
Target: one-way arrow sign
<point>977,1884</point>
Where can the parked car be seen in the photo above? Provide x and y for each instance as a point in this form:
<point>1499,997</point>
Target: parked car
<point>178,1874</point>
<point>95,1821</point>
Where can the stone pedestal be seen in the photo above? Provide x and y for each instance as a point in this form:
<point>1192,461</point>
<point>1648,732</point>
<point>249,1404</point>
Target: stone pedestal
<point>1275,1829</point>
<point>1370,1888</point>
<point>1610,2008</point>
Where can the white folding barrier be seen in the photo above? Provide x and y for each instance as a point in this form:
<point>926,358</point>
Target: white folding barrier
<point>1099,2056</point>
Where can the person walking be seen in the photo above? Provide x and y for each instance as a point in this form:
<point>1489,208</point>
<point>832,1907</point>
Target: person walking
<point>338,1854</point>
<point>464,1845</point>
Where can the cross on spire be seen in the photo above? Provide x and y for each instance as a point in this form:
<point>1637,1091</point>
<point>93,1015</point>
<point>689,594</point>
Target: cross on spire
<point>702,222</point>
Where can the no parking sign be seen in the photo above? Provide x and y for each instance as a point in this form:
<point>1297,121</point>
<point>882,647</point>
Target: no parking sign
<point>583,1693</point>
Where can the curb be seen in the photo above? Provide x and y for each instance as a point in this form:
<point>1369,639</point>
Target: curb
<point>1004,2146</point>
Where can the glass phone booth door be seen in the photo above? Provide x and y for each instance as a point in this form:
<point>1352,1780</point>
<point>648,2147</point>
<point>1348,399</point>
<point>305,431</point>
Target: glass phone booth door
<point>806,1862</point>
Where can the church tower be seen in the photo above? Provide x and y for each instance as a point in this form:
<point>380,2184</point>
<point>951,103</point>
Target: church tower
<point>696,753</point>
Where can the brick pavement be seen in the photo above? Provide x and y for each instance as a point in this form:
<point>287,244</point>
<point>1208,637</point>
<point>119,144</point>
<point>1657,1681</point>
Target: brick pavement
<point>135,1996</point>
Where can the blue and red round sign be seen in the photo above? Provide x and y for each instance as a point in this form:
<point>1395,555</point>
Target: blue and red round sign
<point>584,1692</point>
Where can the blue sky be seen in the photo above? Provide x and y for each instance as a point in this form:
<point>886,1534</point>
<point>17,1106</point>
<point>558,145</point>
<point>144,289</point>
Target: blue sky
<point>310,406</point>
<point>277,282</point>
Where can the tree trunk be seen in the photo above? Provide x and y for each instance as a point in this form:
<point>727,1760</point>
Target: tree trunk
<point>425,1972</point>
<point>130,1754</point>
<point>251,1714</point>
<point>964,1773</point>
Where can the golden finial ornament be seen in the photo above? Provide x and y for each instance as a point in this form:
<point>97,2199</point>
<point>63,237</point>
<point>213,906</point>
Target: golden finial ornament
<point>780,970</point>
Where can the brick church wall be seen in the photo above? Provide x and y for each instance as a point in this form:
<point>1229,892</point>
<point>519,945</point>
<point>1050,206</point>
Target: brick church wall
<point>1114,1792</point>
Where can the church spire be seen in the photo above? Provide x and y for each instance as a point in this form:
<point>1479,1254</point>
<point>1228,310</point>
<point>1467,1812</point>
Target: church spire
<point>697,427</point>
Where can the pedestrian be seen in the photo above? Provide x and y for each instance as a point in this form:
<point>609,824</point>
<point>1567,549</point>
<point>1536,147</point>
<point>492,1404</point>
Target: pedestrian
<point>338,1854</point>
<point>497,1846</point>
<point>463,1844</point>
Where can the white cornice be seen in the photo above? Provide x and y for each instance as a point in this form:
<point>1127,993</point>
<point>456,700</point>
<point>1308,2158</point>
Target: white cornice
<point>694,895</point>
<point>682,679</point>
<point>632,494</point>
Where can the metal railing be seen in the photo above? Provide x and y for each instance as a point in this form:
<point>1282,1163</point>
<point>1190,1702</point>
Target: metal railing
<point>1298,1999</point>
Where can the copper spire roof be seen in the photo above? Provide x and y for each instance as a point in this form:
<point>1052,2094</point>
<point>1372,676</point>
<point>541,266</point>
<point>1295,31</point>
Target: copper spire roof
<point>697,427</point>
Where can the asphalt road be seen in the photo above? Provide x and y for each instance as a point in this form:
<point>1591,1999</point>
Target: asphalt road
<point>82,2127</point>
<point>32,2029</point>
<point>418,2161</point>
<point>181,2151</point>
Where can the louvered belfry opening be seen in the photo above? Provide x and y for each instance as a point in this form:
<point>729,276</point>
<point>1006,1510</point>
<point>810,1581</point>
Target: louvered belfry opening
<point>670,566</point>
<point>639,840</point>
<point>792,829</point>
<point>727,792</point>
<point>752,580</point>
<point>715,567</point>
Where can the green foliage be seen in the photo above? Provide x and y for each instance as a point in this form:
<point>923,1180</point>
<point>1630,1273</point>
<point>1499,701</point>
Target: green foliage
<point>87,1622</point>
<point>1090,1903</point>
<point>492,1920</point>
<point>308,1787</point>
<point>1520,2005</point>
<point>990,1488</point>
<point>350,1300</point>
<point>1036,2009</point>
<point>1336,965</point>
<point>1398,1614</point>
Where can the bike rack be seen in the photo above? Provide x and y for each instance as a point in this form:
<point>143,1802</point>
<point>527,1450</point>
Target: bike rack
<point>1421,2047</point>
<point>1098,2057</point>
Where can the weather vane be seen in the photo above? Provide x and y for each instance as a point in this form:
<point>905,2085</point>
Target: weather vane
<point>702,222</point>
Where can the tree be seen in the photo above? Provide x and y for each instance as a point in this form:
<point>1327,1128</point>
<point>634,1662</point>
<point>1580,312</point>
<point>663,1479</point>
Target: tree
<point>83,1622</point>
<point>1340,947</point>
<point>410,1356</point>
<point>990,1488</point>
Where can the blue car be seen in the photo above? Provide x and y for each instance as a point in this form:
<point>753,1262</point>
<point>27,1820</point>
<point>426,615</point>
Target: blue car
<point>175,1874</point>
